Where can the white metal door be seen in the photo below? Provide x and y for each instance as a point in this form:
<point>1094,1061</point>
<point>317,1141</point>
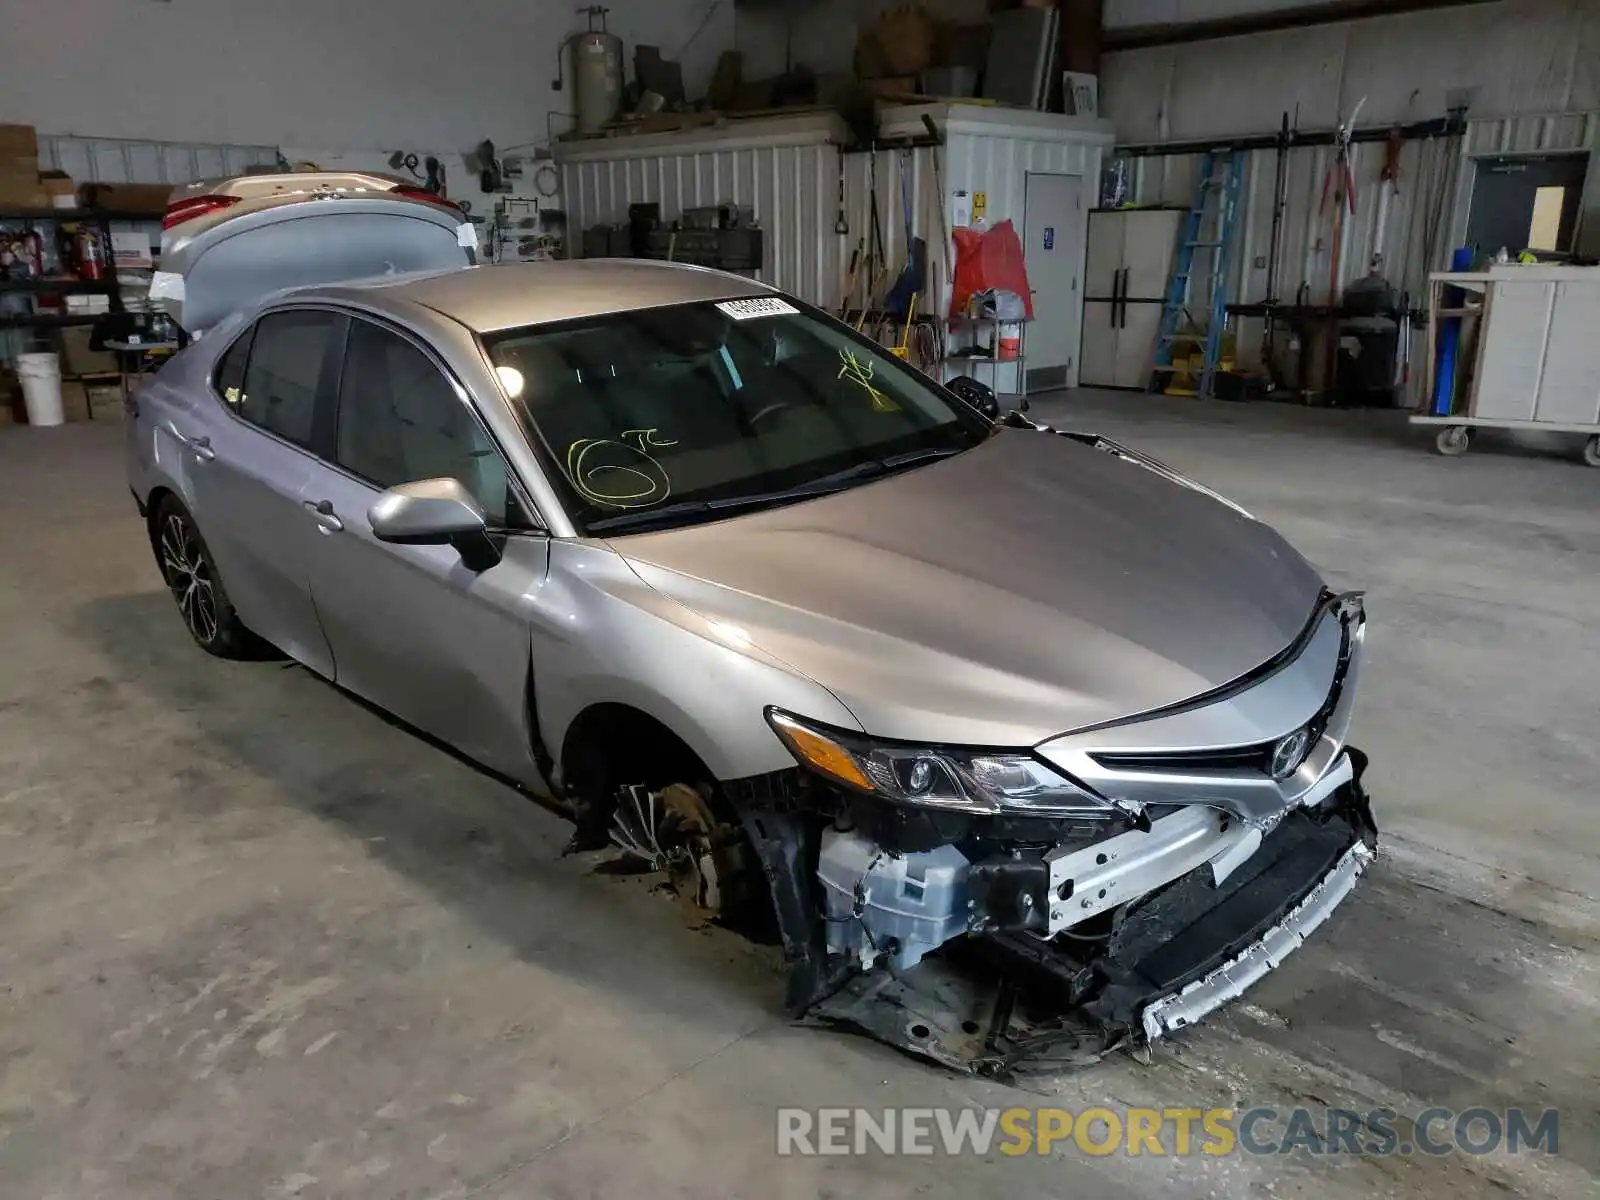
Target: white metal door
<point>1098,367</point>
<point>1150,236</point>
<point>1052,252</point>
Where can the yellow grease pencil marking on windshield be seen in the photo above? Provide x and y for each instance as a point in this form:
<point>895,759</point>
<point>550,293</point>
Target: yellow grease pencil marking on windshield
<point>618,484</point>
<point>646,437</point>
<point>861,373</point>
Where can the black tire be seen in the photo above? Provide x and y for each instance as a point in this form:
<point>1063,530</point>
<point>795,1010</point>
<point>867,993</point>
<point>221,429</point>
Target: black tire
<point>191,576</point>
<point>1453,440</point>
<point>1591,451</point>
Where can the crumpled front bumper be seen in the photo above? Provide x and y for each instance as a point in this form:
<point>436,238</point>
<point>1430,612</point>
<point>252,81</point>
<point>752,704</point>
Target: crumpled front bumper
<point>1190,1003</point>
<point>1012,1001</point>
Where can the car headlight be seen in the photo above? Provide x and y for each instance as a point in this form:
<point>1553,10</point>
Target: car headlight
<point>975,781</point>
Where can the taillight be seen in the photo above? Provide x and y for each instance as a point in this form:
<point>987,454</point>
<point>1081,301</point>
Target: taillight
<point>191,207</point>
<point>412,192</point>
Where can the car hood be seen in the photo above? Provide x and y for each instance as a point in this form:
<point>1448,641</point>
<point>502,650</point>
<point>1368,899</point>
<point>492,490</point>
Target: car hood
<point>1028,587</point>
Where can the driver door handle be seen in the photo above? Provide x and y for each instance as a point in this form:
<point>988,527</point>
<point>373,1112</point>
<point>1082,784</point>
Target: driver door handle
<point>327,520</point>
<point>202,448</point>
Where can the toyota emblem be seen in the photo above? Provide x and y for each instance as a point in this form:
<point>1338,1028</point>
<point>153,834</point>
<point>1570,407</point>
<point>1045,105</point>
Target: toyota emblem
<point>1288,754</point>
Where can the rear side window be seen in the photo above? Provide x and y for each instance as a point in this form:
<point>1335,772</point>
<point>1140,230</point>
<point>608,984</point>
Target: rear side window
<point>229,379</point>
<point>280,379</point>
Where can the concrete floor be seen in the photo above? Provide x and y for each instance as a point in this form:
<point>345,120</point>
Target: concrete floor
<point>256,941</point>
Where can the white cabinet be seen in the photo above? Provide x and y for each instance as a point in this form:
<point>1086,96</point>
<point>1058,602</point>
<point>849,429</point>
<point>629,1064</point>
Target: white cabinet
<point>1540,358</point>
<point>1125,284</point>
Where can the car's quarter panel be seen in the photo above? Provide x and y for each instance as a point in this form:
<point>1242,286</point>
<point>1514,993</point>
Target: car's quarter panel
<point>247,502</point>
<point>602,635</point>
<point>243,488</point>
<point>150,443</point>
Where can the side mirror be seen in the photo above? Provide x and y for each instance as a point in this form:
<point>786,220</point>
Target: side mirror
<point>435,512</point>
<point>979,395</point>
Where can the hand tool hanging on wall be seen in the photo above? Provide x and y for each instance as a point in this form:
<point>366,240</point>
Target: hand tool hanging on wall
<point>1388,187</point>
<point>875,266</point>
<point>909,284</point>
<point>850,280</point>
<point>841,226</point>
<point>940,201</point>
<point>1340,180</point>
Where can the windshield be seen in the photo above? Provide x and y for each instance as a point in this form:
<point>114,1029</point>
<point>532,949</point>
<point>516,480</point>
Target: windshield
<point>667,416</point>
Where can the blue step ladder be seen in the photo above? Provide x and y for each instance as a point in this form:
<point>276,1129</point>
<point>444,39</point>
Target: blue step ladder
<point>1216,203</point>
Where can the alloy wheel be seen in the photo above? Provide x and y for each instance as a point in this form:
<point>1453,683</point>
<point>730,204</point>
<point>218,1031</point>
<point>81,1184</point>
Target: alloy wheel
<point>189,576</point>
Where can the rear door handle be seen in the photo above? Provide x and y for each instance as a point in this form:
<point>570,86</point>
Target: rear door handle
<point>327,520</point>
<point>202,448</point>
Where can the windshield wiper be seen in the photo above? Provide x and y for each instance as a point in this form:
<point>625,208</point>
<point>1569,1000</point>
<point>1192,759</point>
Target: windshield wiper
<point>822,486</point>
<point>913,457</point>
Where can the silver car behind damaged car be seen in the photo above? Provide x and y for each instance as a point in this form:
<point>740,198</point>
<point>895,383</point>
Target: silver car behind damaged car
<point>1023,745</point>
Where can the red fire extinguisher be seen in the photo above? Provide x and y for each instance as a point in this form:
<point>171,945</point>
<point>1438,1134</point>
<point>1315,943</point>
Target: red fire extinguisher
<point>91,255</point>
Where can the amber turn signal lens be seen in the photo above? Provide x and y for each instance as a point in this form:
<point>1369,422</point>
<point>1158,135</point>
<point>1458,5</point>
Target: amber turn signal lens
<point>815,750</point>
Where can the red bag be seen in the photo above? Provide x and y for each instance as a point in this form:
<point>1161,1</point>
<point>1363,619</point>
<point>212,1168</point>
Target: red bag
<point>989,259</point>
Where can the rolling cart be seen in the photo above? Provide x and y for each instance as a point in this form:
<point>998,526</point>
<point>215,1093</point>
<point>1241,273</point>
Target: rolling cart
<point>1515,347</point>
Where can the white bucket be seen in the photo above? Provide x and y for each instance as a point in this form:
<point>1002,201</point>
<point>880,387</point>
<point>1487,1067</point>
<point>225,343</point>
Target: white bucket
<point>41,387</point>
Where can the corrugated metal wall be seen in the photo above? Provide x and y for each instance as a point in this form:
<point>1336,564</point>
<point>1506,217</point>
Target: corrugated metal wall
<point>789,187</point>
<point>794,189</point>
<point>1503,59</point>
<point>115,160</point>
<point>1426,211</point>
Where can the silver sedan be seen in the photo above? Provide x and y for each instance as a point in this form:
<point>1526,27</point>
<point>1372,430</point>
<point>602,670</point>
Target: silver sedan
<point>1017,731</point>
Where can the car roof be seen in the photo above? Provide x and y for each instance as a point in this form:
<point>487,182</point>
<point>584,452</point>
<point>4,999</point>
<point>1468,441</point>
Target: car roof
<point>508,295</point>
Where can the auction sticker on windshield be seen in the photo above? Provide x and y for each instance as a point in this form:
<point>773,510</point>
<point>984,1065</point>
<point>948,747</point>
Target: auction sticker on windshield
<point>748,310</point>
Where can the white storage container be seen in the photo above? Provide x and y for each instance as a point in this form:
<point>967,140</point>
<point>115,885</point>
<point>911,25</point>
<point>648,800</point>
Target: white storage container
<point>40,375</point>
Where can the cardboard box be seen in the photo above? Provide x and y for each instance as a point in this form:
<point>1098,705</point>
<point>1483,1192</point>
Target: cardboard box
<point>18,141</point>
<point>130,248</point>
<point>78,359</point>
<point>147,199</point>
<point>19,185</point>
<point>74,400</point>
<point>105,402</point>
<point>58,185</point>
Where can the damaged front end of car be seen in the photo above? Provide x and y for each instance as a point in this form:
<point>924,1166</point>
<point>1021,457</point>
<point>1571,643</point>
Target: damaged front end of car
<point>1007,911</point>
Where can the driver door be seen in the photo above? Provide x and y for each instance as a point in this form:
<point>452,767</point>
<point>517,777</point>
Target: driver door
<point>412,628</point>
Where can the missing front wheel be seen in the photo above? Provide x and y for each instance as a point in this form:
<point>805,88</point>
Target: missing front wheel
<point>707,863</point>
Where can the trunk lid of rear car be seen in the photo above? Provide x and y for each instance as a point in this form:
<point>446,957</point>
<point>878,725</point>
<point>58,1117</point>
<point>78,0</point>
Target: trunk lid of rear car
<point>228,243</point>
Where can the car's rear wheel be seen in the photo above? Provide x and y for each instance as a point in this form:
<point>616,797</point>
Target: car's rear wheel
<point>191,576</point>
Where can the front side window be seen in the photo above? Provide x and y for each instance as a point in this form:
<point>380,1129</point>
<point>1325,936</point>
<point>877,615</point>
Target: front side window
<point>401,420</point>
<point>667,416</point>
<point>279,389</point>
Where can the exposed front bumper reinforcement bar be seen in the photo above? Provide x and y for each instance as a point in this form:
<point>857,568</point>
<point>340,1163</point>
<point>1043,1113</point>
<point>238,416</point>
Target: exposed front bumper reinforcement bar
<point>1233,978</point>
<point>1008,1002</point>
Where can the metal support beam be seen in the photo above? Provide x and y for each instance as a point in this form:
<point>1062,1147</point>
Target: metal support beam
<point>1326,12</point>
<point>1451,126</point>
